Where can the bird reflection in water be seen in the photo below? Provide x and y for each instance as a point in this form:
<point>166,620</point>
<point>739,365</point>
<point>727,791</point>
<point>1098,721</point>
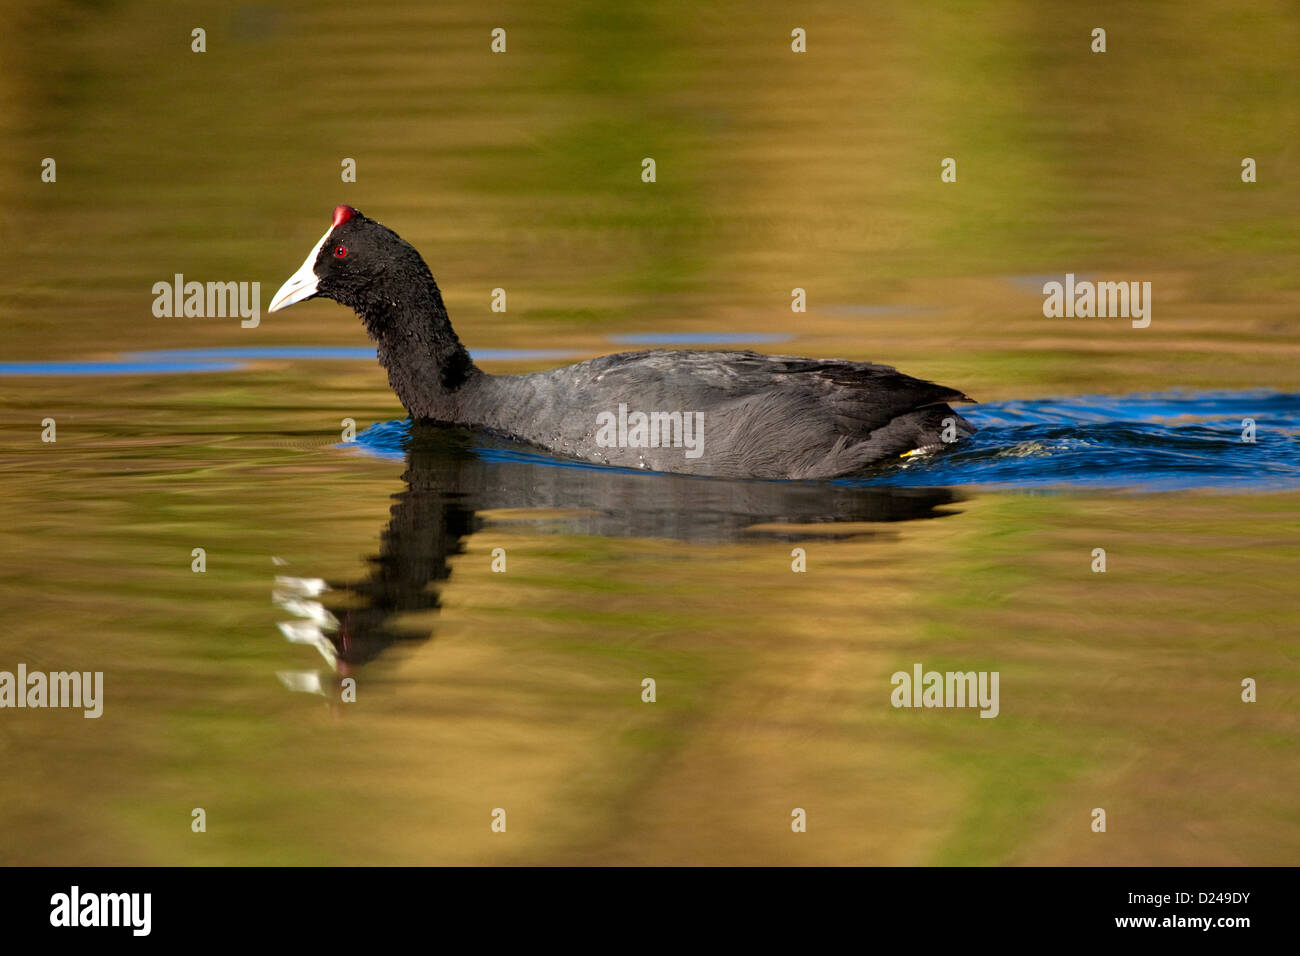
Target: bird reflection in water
<point>452,475</point>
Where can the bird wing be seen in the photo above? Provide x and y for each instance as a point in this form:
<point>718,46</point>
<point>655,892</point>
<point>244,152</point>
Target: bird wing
<point>854,398</point>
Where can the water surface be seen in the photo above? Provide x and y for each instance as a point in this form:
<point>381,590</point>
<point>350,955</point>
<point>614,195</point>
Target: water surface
<point>522,689</point>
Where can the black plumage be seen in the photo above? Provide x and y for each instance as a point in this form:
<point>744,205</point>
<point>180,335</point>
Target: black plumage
<point>750,415</point>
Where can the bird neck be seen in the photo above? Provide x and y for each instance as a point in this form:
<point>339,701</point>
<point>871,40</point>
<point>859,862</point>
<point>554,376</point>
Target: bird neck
<point>427,365</point>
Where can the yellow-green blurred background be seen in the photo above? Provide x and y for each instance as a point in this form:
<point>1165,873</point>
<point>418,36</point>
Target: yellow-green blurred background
<point>775,170</point>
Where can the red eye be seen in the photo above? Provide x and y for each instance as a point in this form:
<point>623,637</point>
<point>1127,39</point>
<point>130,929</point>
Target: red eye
<point>340,252</point>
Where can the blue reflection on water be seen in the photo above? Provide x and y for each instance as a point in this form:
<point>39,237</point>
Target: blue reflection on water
<point>1159,442</point>
<point>163,361</point>
<point>1168,440</point>
<point>140,367</point>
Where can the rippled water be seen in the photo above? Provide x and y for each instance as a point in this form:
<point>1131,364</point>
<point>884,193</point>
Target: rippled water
<point>478,687</point>
<point>1140,442</point>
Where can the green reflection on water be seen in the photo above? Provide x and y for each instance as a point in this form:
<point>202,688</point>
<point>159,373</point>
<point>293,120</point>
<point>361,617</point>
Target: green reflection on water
<point>523,171</point>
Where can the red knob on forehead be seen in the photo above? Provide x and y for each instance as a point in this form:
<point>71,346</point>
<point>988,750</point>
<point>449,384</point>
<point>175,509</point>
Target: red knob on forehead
<point>342,214</point>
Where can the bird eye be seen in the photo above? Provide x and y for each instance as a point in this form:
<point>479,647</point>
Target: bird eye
<point>340,252</point>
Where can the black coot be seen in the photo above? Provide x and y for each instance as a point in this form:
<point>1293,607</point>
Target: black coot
<point>732,414</point>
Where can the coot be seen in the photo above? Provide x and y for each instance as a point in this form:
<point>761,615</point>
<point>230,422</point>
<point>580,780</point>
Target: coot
<point>736,414</point>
